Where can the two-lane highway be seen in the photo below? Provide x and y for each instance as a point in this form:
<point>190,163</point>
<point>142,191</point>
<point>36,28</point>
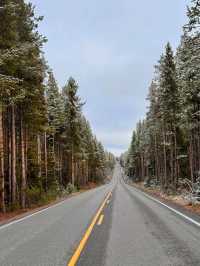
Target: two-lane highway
<point>98,228</point>
<point>140,231</point>
<point>51,236</point>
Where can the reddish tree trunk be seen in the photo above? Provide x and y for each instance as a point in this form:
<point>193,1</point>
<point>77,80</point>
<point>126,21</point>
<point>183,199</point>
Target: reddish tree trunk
<point>23,166</point>
<point>13,152</point>
<point>2,181</point>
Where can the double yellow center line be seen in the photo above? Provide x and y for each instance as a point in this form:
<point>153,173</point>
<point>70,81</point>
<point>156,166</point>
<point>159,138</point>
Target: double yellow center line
<point>88,232</point>
<point>100,219</point>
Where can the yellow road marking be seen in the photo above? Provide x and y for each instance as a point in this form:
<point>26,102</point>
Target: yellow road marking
<point>100,220</point>
<point>83,241</point>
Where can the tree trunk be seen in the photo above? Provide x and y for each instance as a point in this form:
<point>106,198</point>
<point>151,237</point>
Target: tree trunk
<point>13,152</point>
<point>172,160</point>
<point>176,162</point>
<point>59,159</point>
<point>9,131</point>
<point>191,158</point>
<point>87,171</point>
<point>26,148</point>
<point>165,159</point>
<point>54,157</point>
<point>45,160</point>
<point>39,157</point>
<point>60,165</point>
<point>142,168</point>
<point>23,165</point>
<point>156,160</point>
<point>2,181</point>
<point>72,166</point>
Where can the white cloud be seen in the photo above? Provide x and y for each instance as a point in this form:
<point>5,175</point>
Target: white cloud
<point>116,152</point>
<point>116,140</point>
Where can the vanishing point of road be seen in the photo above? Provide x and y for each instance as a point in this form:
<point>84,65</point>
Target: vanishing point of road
<point>113,225</point>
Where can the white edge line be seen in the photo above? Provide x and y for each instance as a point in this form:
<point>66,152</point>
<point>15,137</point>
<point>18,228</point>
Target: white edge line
<point>35,213</point>
<point>170,208</point>
<point>30,215</point>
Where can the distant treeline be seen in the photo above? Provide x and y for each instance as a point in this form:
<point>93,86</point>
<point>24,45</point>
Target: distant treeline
<point>166,144</point>
<point>46,143</point>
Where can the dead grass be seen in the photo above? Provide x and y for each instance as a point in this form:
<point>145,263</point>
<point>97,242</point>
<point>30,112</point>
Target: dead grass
<point>177,199</point>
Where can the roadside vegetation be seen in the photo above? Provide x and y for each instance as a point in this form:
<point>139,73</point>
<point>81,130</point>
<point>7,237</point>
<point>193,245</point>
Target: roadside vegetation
<point>47,147</point>
<point>165,146</point>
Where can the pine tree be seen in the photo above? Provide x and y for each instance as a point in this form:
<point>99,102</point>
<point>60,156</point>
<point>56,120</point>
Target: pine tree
<point>39,132</point>
<point>188,60</point>
<point>166,145</point>
<point>55,113</point>
<point>55,105</point>
<point>194,17</point>
<point>22,72</point>
<point>169,108</point>
<point>73,108</point>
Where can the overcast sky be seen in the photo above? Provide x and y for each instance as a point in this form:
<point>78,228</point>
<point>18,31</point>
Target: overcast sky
<point>110,47</point>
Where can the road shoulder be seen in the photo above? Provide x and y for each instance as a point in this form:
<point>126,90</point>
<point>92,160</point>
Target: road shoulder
<point>10,217</point>
<point>174,205</point>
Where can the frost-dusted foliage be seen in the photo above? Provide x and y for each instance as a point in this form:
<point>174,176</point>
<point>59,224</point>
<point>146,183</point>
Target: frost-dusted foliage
<point>55,105</point>
<point>166,145</point>
<point>193,13</point>
<point>46,142</point>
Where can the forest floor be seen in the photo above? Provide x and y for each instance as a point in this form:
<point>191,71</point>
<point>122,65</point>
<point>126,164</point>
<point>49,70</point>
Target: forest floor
<point>20,213</point>
<point>175,199</point>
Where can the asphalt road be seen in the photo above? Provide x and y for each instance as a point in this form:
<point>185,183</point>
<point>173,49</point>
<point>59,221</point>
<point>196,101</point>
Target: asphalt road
<point>134,230</point>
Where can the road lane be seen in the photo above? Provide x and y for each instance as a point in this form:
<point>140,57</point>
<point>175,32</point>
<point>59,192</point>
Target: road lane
<point>95,250</point>
<point>85,238</point>
<point>132,230</point>
<point>50,237</point>
<point>138,231</point>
